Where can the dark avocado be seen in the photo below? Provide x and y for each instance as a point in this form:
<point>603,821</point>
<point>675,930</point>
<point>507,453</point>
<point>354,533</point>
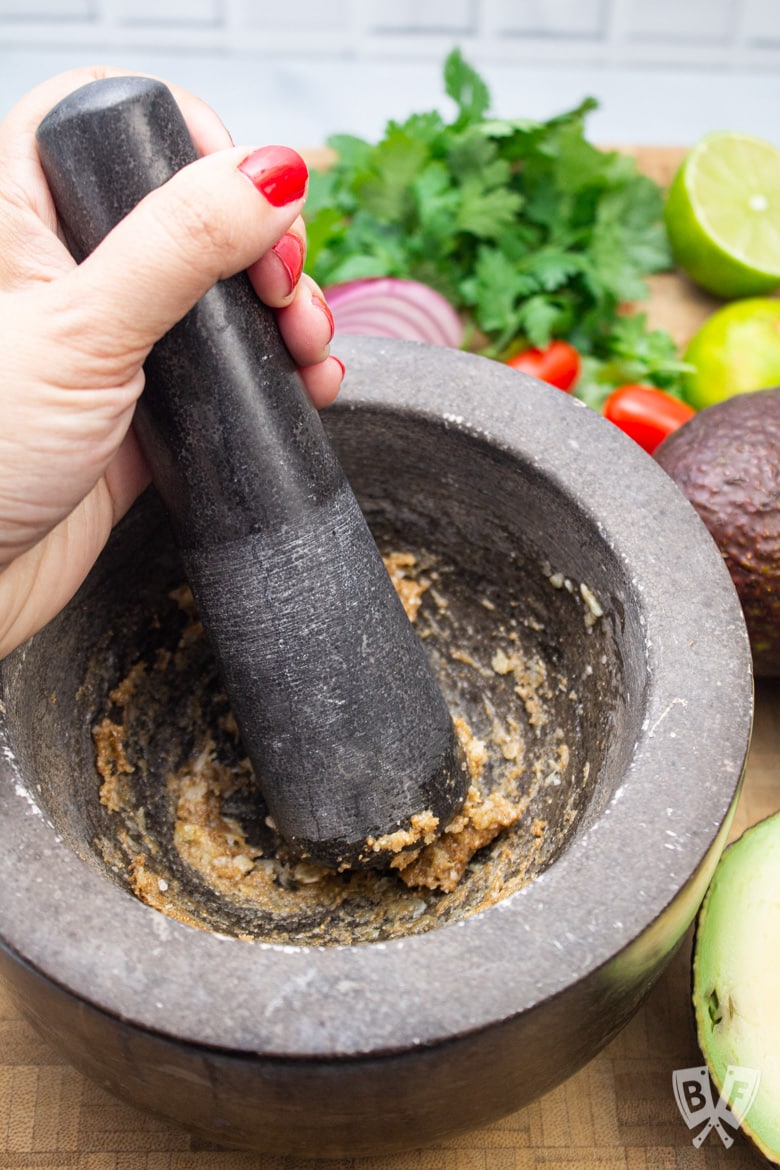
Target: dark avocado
<point>726,460</point>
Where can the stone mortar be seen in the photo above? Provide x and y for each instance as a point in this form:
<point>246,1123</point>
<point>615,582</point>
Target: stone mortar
<point>332,1051</point>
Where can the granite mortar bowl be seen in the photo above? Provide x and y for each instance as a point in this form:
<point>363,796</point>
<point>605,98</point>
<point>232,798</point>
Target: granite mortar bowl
<point>548,515</point>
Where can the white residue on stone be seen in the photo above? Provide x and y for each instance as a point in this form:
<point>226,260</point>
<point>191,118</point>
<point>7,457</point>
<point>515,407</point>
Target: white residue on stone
<point>23,791</point>
<point>679,701</point>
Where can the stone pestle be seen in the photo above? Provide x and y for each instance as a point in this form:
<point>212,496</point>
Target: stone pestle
<point>338,709</point>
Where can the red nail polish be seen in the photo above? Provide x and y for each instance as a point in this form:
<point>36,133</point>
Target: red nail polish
<point>290,251</point>
<point>278,173</point>
<point>338,362</point>
<point>317,300</point>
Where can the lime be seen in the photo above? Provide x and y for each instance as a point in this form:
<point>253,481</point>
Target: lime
<point>723,215</point>
<point>736,350</point>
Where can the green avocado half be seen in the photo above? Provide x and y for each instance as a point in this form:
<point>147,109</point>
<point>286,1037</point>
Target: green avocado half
<point>736,980</point>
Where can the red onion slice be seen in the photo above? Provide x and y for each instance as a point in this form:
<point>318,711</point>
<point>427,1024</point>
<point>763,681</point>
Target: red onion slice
<point>386,306</point>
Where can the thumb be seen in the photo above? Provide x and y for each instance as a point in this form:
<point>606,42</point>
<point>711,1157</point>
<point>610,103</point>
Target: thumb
<point>212,219</point>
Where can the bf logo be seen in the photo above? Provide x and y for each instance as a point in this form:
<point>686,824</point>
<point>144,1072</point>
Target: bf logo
<point>701,1105</point>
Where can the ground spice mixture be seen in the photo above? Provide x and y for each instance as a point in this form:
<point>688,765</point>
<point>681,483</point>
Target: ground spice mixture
<point>197,844</point>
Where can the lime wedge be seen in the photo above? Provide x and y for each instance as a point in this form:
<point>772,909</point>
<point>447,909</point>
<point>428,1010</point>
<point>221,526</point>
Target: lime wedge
<point>723,215</point>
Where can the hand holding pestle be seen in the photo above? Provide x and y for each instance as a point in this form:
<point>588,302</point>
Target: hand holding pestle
<point>341,717</point>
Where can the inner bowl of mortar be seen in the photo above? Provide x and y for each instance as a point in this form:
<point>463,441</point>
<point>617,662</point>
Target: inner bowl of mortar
<point>584,630</point>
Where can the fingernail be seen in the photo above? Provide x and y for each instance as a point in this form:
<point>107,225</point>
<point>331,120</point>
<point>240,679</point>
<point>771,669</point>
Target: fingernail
<point>278,173</point>
<point>323,305</point>
<point>338,362</point>
<point>289,249</point>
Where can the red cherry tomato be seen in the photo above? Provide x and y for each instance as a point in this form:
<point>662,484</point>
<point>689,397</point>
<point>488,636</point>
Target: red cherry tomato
<point>646,414</point>
<point>558,364</point>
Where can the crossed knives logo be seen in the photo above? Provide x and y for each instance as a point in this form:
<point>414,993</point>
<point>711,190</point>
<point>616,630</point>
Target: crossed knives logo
<point>701,1105</point>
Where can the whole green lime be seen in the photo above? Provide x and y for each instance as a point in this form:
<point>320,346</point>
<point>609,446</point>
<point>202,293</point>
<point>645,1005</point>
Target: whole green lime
<point>735,351</point>
<point>723,215</point>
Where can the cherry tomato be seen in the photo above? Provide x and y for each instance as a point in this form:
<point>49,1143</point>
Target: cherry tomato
<point>558,364</point>
<point>646,414</point>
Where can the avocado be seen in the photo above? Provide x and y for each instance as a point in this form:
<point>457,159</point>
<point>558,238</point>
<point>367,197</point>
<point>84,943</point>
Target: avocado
<point>735,965</point>
<point>726,460</point>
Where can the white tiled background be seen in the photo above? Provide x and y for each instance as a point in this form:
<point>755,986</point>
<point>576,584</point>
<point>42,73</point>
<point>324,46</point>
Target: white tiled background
<point>664,71</point>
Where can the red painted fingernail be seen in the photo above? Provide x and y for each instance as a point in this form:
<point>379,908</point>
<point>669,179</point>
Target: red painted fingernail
<point>323,305</point>
<point>338,362</point>
<point>290,251</point>
<point>278,173</point>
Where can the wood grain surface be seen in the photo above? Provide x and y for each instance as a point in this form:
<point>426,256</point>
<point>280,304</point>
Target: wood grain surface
<point>618,1113</point>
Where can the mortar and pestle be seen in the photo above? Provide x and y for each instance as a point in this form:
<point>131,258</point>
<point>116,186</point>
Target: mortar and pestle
<point>542,528</point>
<point>336,702</point>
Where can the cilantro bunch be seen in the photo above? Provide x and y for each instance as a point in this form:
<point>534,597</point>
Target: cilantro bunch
<point>526,228</point>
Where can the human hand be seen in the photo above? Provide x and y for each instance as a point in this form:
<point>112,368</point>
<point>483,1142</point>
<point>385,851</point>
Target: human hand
<point>74,339</point>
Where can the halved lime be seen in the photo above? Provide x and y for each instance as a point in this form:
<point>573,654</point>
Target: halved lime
<point>723,215</point>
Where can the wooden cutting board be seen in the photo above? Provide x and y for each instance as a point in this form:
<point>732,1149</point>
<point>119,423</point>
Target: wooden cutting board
<point>618,1113</point>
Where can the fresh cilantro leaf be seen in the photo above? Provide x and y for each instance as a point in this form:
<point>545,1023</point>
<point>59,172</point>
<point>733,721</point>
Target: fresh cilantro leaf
<point>464,85</point>
<point>470,152</point>
<point>538,317</point>
<point>551,267</point>
<point>362,268</point>
<point>437,203</point>
<point>620,279</point>
<point>352,154</point>
<point>427,127</point>
<point>486,214</point>
<point>653,349</point>
<point>323,229</point>
<point>506,127</point>
<point>323,193</point>
<point>383,190</point>
<point>575,164</point>
<point>649,250</point>
<point>494,289</point>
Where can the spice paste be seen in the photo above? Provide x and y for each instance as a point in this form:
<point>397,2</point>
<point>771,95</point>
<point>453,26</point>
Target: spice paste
<point>198,845</point>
